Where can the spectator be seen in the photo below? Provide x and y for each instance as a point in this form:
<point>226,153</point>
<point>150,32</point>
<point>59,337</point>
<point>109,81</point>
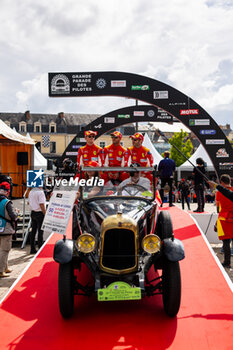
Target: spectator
<point>223,190</point>
<point>8,216</point>
<point>37,202</point>
<point>192,192</point>
<point>7,178</point>
<point>184,190</point>
<point>225,219</point>
<point>166,168</point>
<point>199,184</point>
<point>209,195</point>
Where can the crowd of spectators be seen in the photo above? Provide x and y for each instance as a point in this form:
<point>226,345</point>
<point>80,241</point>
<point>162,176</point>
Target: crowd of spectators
<point>209,194</point>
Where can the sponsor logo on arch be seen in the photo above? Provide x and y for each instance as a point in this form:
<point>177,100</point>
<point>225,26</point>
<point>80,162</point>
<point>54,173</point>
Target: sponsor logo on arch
<point>222,153</point>
<point>189,111</point>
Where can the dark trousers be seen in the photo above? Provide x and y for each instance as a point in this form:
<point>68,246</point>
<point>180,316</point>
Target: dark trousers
<point>227,251</point>
<point>37,220</point>
<point>199,190</point>
<point>164,181</point>
<point>184,197</point>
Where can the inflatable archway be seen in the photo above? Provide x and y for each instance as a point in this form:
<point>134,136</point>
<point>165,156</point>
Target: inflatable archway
<point>160,95</point>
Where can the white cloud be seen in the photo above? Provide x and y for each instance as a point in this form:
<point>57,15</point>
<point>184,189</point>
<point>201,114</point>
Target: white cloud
<point>221,98</point>
<point>181,43</point>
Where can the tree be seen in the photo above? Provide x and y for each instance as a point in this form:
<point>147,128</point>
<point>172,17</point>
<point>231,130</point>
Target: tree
<point>183,143</point>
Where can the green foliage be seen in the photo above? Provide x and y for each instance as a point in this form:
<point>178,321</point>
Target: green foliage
<point>181,141</point>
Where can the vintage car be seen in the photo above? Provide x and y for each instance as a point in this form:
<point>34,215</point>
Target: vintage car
<point>119,233</point>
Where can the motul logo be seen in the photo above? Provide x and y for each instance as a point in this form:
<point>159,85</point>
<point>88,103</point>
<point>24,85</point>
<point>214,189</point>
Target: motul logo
<point>189,111</point>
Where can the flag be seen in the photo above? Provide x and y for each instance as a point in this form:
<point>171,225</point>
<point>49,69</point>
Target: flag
<point>158,198</point>
<point>46,140</point>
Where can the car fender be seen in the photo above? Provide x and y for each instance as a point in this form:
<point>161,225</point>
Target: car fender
<point>63,251</point>
<point>173,249</point>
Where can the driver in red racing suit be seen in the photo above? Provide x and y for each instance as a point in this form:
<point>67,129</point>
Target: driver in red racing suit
<point>139,154</point>
<point>89,152</point>
<point>114,155</point>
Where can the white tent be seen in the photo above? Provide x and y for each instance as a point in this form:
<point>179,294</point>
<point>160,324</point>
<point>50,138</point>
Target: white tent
<point>200,153</point>
<point>147,143</point>
<point>11,134</point>
<point>39,160</point>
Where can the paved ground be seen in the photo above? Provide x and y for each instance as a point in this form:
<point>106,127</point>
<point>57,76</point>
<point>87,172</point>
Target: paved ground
<point>20,258</point>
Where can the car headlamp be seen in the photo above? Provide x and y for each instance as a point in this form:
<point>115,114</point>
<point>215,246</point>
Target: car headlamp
<point>151,243</point>
<point>86,243</point>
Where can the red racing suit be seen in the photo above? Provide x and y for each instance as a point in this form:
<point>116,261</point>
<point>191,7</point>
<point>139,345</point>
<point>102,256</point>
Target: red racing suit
<point>89,153</point>
<point>139,155</point>
<point>115,155</point>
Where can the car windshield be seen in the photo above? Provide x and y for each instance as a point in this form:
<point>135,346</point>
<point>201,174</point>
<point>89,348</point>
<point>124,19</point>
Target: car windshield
<point>128,182</point>
<point>116,205</point>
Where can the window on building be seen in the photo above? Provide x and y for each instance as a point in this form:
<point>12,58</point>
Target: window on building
<point>102,144</point>
<point>37,127</point>
<point>52,147</point>
<point>52,127</point>
<point>22,127</point>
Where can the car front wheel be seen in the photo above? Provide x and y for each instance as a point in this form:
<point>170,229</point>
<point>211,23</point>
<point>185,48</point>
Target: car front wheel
<point>171,282</point>
<point>66,289</point>
<point>164,225</point>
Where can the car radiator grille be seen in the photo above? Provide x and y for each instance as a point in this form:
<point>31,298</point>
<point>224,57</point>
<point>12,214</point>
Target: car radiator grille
<point>119,249</point>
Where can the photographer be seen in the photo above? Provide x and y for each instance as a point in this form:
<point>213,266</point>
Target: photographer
<point>199,184</point>
<point>68,169</point>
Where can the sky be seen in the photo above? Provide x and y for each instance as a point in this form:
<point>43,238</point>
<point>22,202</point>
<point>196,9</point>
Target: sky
<point>184,43</point>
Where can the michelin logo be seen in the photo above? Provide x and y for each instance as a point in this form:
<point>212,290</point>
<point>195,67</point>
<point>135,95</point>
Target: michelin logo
<point>35,178</point>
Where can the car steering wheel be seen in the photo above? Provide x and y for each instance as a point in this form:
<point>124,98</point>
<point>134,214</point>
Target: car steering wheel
<point>139,188</point>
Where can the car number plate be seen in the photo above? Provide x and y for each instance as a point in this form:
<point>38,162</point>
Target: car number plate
<point>119,291</point>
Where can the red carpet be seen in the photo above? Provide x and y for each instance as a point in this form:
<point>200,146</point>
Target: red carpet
<point>30,318</point>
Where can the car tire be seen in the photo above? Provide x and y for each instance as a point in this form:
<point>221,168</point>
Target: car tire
<point>66,289</point>
<point>164,226</point>
<point>171,286</point>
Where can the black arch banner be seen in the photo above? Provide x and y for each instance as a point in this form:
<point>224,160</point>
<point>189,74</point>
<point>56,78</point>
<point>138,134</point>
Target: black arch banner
<point>113,119</point>
<point>156,93</point>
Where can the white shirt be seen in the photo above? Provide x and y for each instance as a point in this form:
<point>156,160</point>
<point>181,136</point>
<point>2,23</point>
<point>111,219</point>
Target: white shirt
<point>35,198</point>
<point>143,181</point>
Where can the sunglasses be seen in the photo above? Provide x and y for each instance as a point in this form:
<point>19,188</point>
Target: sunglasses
<point>114,137</point>
<point>91,136</point>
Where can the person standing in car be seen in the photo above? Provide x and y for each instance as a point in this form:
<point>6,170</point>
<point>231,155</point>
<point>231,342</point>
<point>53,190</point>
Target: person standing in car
<point>114,154</point>
<point>90,152</point>
<point>139,154</point>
